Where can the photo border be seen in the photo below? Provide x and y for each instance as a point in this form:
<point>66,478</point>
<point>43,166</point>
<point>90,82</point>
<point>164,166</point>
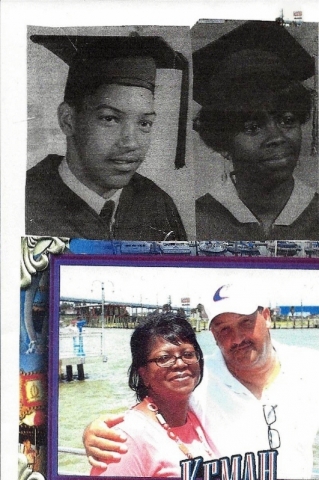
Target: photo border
<point>129,261</point>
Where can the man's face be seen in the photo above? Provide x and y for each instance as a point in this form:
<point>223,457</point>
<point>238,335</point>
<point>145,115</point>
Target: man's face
<point>112,134</point>
<point>268,147</point>
<point>243,339</point>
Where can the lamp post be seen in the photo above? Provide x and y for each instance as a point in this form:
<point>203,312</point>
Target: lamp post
<point>141,301</point>
<point>103,300</point>
<point>103,303</point>
<point>110,281</point>
<point>102,319</point>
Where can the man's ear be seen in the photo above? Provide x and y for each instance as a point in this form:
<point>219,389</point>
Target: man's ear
<point>66,117</point>
<point>267,317</point>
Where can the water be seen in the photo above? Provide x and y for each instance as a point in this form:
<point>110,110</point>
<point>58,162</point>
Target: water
<point>105,389</point>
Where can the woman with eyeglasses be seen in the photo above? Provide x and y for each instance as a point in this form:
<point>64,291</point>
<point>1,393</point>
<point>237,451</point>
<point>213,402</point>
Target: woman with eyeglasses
<point>167,365</point>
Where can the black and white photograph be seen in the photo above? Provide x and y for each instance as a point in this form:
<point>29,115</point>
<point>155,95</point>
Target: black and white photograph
<point>120,164</point>
<point>256,153</point>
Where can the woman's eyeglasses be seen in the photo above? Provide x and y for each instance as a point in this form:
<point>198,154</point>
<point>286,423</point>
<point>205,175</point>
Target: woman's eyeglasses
<point>167,361</point>
<point>270,417</point>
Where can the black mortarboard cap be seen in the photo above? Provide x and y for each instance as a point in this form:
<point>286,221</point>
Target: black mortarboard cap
<point>131,60</point>
<point>255,48</point>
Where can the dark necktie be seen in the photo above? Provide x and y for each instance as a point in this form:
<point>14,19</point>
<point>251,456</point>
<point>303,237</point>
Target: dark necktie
<point>107,212</point>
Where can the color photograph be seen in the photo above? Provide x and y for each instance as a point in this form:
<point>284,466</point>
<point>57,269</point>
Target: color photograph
<point>188,352</point>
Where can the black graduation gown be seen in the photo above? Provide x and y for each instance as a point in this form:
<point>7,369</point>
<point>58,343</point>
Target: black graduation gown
<point>145,212</point>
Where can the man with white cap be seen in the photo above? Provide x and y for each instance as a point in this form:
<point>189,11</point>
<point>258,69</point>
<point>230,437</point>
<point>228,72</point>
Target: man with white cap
<point>256,394</point>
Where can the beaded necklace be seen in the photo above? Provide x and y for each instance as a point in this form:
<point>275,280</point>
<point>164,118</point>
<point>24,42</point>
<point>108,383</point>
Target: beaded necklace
<point>172,435</point>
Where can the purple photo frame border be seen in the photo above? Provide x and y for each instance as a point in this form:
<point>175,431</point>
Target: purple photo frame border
<point>57,261</point>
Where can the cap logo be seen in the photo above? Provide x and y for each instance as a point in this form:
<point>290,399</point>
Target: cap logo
<point>217,295</point>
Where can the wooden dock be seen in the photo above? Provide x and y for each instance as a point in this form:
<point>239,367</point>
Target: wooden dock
<point>292,323</point>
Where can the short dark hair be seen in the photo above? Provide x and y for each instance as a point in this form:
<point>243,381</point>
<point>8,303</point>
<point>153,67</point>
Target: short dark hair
<point>169,326</point>
<point>232,105</point>
<point>76,100</point>
<point>78,97</point>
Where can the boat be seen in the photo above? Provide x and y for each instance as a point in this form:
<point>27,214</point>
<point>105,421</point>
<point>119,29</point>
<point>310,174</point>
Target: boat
<point>212,248</point>
<point>175,248</point>
<point>243,248</point>
<point>286,248</point>
<point>135,247</point>
<point>312,249</point>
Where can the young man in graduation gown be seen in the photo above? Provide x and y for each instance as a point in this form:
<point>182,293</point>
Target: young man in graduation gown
<point>249,83</point>
<point>107,116</point>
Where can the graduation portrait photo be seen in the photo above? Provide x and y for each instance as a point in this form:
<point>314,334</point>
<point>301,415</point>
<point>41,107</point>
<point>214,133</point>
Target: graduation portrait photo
<point>108,124</point>
<point>255,87</point>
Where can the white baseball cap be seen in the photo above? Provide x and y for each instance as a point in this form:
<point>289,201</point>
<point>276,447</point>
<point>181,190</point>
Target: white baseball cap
<point>235,298</point>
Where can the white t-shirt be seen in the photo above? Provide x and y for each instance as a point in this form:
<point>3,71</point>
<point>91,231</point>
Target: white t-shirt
<point>234,418</point>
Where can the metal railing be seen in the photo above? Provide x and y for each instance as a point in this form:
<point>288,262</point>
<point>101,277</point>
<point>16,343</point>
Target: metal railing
<point>88,344</point>
<point>71,450</point>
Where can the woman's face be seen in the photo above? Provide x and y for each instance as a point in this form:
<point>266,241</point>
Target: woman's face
<point>267,149</point>
<point>174,382</point>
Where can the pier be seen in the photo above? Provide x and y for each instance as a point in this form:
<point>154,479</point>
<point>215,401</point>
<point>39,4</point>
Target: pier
<point>75,346</point>
<point>291,323</point>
